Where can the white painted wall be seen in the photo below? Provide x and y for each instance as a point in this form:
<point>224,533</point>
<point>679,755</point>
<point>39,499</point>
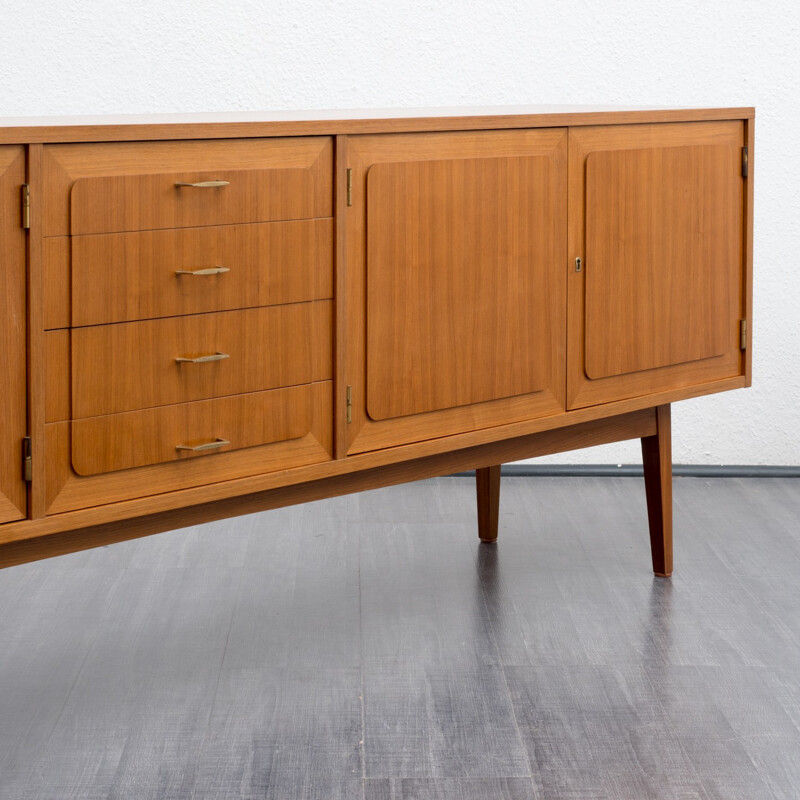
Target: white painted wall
<point>100,56</point>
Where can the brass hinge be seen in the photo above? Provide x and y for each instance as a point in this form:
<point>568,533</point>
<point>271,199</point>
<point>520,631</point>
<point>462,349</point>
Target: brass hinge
<point>27,459</point>
<point>744,162</point>
<point>26,206</point>
<point>349,404</point>
<point>349,186</point>
<point>743,334</point>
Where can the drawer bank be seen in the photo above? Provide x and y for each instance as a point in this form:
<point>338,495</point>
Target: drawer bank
<point>212,315</point>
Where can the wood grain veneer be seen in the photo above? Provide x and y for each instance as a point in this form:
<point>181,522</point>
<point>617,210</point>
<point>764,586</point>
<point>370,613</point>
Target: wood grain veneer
<point>132,365</point>
<point>657,463</point>
<point>57,372</point>
<point>487,486</point>
<point>153,436</point>
<point>340,307</point>
<point>55,284</point>
<point>107,187</point>
<point>653,309</point>
<point>13,422</point>
<point>459,255</point>
<point>120,277</point>
<point>402,300</point>
<point>108,524</point>
<point>663,251</point>
<point>456,250</point>
<point>67,490</point>
<point>747,247</point>
<point>80,502</point>
<point>37,355</point>
<point>151,127</point>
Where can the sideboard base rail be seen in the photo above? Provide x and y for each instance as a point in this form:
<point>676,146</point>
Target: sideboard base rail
<point>646,424</point>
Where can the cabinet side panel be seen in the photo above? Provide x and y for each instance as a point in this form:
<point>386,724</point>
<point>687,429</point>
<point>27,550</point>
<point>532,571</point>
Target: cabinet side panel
<point>13,423</point>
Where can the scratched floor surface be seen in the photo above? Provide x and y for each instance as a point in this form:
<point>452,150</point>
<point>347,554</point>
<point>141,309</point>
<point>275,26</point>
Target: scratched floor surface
<point>368,647</point>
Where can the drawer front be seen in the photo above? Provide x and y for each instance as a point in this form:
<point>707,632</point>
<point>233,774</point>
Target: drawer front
<point>129,186</point>
<point>188,431</point>
<point>135,365</point>
<point>127,276</point>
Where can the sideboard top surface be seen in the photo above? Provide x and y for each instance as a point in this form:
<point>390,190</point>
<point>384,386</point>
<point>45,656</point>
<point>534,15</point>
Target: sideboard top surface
<point>132,127</point>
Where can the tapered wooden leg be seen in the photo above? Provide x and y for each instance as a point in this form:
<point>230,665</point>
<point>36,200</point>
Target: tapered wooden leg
<point>487,483</point>
<point>657,461</point>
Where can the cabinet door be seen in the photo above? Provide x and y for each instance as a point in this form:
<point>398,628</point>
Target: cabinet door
<point>657,218</point>
<point>455,284</point>
<point>12,334</point>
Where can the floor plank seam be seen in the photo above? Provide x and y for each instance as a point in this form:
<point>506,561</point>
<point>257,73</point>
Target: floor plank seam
<point>501,667</point>
<point>363,743</point>
<point>213,703</point>
<point>611,683</point>
<point>35,770</point>
<point>673,730</point>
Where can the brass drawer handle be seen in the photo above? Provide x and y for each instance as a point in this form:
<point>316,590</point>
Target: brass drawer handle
<point>205,446</point>
<point>201,359</point>
<point>206,271</point>
<point>203,184</point>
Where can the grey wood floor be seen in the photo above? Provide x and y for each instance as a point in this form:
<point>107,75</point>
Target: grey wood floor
<point>368,647</point>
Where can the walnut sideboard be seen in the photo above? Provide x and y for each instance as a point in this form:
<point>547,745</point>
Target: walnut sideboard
<point>211,315</point>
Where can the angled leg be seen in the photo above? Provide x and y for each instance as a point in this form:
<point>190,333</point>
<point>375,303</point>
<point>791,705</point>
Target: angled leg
<point>657,461</point>
<point>487,483</point>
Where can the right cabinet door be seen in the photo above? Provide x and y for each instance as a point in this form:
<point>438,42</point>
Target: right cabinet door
<point>656,216</point>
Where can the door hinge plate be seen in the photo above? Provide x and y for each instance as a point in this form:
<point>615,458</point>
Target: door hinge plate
<point>744,162</point>
<point>349,404</point>
<point>26,206</point>
<point>349,186</point>
<point>27,459</point>
<point>743,334</point>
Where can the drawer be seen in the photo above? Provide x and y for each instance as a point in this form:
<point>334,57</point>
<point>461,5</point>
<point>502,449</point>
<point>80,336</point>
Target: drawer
<point>118,277</point>
<point>188,431</point>
<point>129,186</point>
<point>66,490</point>
<point>133,365</point>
